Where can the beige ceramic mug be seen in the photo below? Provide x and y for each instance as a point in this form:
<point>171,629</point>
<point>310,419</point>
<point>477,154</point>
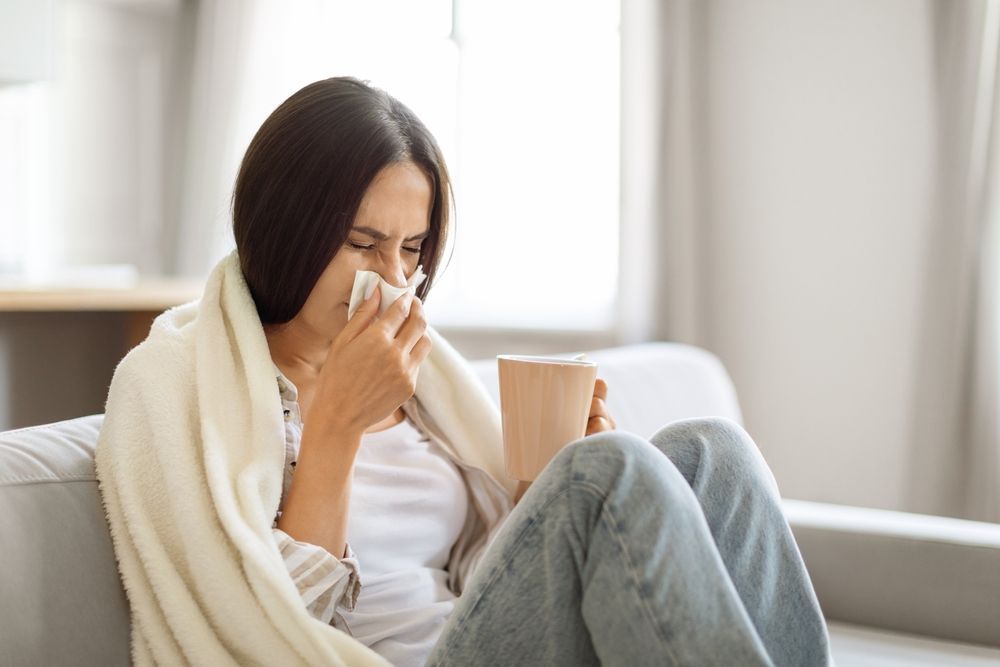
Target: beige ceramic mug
<point>544,406</point>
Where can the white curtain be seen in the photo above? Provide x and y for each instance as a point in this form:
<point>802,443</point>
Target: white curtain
<point>220,32</point>
<point>660,246</point>
<point>956,435</point>
<point>953,446</point>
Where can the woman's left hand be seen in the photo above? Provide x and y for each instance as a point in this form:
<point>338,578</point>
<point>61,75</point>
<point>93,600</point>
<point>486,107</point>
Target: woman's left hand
<point>600,419</point>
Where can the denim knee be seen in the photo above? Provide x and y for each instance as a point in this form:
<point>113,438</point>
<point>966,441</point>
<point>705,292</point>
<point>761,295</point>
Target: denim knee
<point>720,438</point>
<point>604,459</point>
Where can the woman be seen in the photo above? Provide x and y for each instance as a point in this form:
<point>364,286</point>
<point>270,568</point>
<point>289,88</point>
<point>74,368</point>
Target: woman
<point>393,519</point>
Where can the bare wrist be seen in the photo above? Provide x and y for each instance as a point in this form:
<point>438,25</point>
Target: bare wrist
<point>330,429</point>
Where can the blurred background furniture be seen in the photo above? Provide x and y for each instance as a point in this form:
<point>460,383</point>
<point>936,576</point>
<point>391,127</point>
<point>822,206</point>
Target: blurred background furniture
<point>61,339</point>
<point>139,303</point>
<point>897,588</point>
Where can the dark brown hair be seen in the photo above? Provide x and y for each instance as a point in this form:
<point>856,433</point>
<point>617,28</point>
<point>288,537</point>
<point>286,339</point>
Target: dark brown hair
<point>302,180</point>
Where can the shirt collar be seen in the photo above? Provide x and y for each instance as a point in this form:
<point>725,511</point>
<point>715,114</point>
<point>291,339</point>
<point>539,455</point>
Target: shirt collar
<point>286,388</point>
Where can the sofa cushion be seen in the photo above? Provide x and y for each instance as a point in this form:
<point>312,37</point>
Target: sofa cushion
<point>63,602</point>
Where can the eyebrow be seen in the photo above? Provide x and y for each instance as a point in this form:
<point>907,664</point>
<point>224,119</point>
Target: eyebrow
<point>376,234</point>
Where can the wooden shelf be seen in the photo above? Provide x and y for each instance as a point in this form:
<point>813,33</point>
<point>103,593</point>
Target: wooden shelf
<point>152,295</point>
<point>139,303</point>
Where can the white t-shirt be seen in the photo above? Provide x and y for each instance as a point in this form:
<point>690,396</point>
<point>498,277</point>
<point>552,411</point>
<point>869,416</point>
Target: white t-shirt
<point>408,506</point>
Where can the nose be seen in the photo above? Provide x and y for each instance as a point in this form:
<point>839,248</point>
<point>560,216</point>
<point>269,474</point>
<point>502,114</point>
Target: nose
<point>392,270</point>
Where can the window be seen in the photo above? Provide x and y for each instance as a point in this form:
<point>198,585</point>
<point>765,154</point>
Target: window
<point>523,97</point>
<point>537,166</point>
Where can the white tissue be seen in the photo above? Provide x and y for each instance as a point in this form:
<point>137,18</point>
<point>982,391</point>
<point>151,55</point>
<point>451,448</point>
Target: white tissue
<point>363,281</point>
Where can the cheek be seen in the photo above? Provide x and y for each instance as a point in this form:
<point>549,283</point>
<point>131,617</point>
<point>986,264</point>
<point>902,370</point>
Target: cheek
<point>335,284</point>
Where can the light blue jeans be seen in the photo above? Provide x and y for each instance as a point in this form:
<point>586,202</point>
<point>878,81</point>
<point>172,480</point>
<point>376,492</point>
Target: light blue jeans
<point>673,551</point>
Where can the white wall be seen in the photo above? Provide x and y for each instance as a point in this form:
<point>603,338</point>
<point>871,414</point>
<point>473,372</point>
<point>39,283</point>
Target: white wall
<point>818,132</point>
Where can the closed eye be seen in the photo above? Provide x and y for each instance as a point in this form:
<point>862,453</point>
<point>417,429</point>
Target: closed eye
<point>415,251</point>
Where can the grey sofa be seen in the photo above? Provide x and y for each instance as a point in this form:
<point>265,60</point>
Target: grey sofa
<point>910,589</point>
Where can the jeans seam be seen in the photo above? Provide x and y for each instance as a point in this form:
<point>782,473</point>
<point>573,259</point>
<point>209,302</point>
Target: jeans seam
<point>446,649</point>
<point>628,565</point>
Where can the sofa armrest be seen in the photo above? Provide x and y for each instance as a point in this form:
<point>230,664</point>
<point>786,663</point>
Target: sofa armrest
<point>912,573</point>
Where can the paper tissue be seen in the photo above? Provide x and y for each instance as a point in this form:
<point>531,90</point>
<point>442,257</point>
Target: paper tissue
<point>364,279</point>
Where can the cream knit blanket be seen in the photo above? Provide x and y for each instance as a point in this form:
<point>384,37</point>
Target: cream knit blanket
<point>189,461</point>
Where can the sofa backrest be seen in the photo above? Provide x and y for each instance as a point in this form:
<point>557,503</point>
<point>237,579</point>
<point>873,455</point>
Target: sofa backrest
<point>63,602</point>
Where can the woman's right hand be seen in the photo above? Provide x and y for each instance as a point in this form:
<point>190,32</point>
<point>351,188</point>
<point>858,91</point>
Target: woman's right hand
<point>371,367</point>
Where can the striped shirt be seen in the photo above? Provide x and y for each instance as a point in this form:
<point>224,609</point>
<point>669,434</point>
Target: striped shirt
<point>327,584</point>
<point>330,587</point>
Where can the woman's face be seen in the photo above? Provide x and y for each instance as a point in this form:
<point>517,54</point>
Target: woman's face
<point>392,221</point>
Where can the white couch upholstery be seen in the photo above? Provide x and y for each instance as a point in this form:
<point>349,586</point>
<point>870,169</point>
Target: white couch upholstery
<point>61,601</point>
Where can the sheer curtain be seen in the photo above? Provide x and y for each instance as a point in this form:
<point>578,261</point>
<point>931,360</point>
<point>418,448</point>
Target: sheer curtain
<point>983,428</point>
<point>661,174</point>
<point>217,72</point>
<point>956,435</point>
<point>951,452</point>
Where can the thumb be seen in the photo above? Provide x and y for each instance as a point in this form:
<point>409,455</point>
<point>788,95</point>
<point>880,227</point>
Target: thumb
<point>365,313</point>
